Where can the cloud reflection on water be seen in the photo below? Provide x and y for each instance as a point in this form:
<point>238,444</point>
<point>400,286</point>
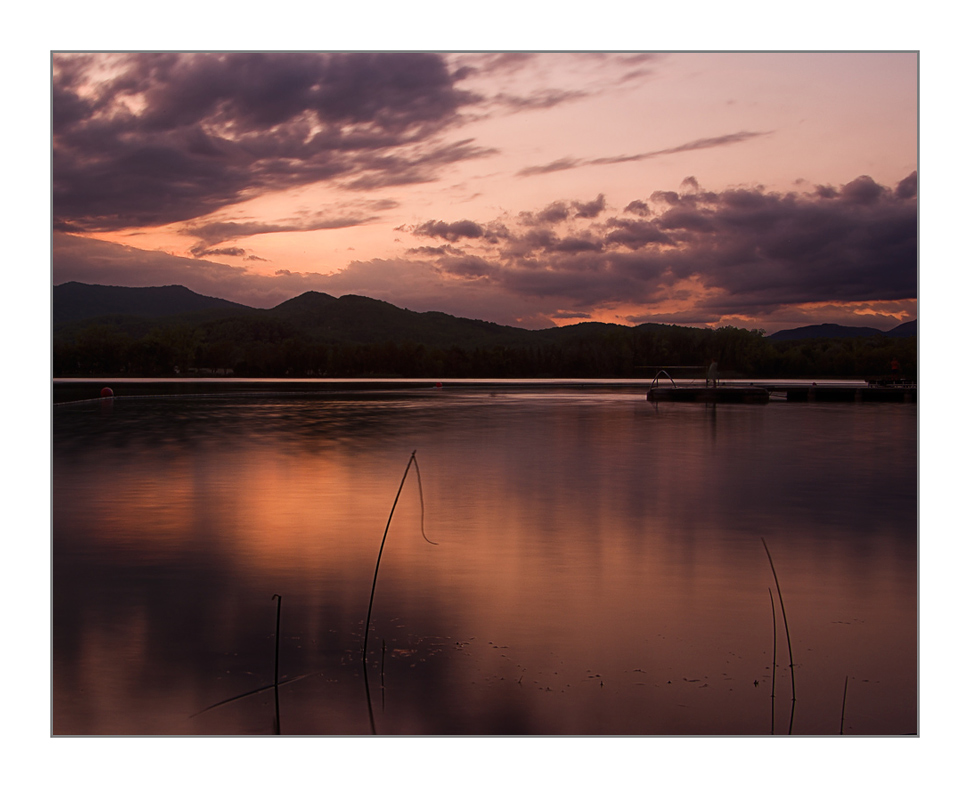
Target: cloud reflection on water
<point>583,539</point>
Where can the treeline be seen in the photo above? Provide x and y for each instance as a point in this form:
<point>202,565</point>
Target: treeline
<point>265,347</point>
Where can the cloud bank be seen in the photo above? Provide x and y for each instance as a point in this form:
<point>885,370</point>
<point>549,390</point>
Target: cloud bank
<point>692,257</point>
<point>150,139</point>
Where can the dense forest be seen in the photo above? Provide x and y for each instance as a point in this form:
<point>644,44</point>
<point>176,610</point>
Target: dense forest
<point>266,345</point>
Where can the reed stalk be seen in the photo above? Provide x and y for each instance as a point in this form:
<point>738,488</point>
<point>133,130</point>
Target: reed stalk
<point>791,660</point>
<point>774,658</point>
<point>276,669</point>
<point>417,470</point>
<point>845,691</point>
<point>383,653</point>
<point>268,687</point>
<point>373,588</point>
<point>276,722</point>
<point>370,705</point>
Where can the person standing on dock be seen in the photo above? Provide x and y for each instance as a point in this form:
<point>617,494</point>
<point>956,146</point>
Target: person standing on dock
<point>711,374</point>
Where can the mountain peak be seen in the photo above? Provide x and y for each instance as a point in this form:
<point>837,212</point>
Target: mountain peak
<point>836,331</point>
<point>77,301</point>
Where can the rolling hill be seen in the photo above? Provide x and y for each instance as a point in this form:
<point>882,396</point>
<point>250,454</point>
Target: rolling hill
<point>835,331</point>
<point>155,331</point>
<point>74,301</point>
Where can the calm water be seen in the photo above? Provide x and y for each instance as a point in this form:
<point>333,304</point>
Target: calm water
<point>598,568</point>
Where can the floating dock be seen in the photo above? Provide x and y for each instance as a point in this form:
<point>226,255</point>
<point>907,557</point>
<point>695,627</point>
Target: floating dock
<point>813,393</point>
<point>746,394</point>
<point>799,392</point>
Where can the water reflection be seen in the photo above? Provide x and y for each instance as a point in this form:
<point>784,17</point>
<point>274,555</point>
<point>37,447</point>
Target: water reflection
<point>598,568</point>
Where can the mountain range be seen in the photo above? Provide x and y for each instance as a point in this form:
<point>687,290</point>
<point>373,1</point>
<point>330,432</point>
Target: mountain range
<point>349,318</point>
<point>835,331</point>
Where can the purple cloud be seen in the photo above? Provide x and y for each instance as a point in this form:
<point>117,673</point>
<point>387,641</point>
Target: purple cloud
<point>590,210</point>
<point>569,163</point>
<point>172,137</point>
<point>746,252</point>
<point>451,231</point>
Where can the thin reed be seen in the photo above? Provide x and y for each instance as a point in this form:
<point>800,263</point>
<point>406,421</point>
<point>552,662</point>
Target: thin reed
<point>276,667</point>
<point>377,568</point>
<point>791,660</point>
<point>845,691</point>
<point>774,657</point>
<point>417,470</point>
<point>276,677</point>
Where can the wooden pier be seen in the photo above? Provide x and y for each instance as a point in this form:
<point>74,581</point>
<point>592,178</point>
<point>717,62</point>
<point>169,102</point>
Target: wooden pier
<point>746,394</point>
<point>823,393</point>
<point>790,392</point>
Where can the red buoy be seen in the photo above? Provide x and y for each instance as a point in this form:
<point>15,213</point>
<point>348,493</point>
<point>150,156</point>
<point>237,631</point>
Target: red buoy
<point>106,392</point>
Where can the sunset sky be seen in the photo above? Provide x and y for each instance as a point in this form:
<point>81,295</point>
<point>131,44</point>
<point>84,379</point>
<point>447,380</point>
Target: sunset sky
<point>757,190</point>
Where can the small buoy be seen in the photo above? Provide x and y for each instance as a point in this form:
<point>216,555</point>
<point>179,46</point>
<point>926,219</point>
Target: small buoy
<point>437,385</point>
<point>106,392</point>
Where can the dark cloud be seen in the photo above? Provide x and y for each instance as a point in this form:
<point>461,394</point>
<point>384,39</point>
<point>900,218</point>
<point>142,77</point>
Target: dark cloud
<point>553,213</point>
<point>451,231</point>
<point>766,255</point>
<point>559,211</point>
<point>635,234</point>
<point>468,267</point>
<point>590,210</point>
<point>639,207</point>
<point>421,167</point>
<point>712,142</point>
<point>568,163</point>
<point>493,63</point>
<point>200,250</point>
<point>686,219</point>
<point>434,251</point>
<point>690,182</point>
<point>906,188</point>
<point>505,80</point>
<point>749,250</point>
<point>213,233</point>
<point>541,99</point>
<point>863,190</point>
<point>555,166</point>
<point>491,233</point>
<point>572,243</point>
<point>670,198</point>
<point>173,137</point>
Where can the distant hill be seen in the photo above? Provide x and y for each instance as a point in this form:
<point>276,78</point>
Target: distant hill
<point>74,301</point>
<point>353,318</point>
<point>835,331</point>
<point>903,330</point>
<point>155,331</point>
<point>350,318</point>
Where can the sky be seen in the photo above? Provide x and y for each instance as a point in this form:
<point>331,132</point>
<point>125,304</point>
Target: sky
<point>761,190</point>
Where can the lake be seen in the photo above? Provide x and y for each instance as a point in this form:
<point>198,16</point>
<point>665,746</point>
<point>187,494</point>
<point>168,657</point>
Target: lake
<point>561,560</point>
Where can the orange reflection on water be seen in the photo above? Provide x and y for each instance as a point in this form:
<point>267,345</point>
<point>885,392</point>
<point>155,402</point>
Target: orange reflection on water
<point>598,566</point>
